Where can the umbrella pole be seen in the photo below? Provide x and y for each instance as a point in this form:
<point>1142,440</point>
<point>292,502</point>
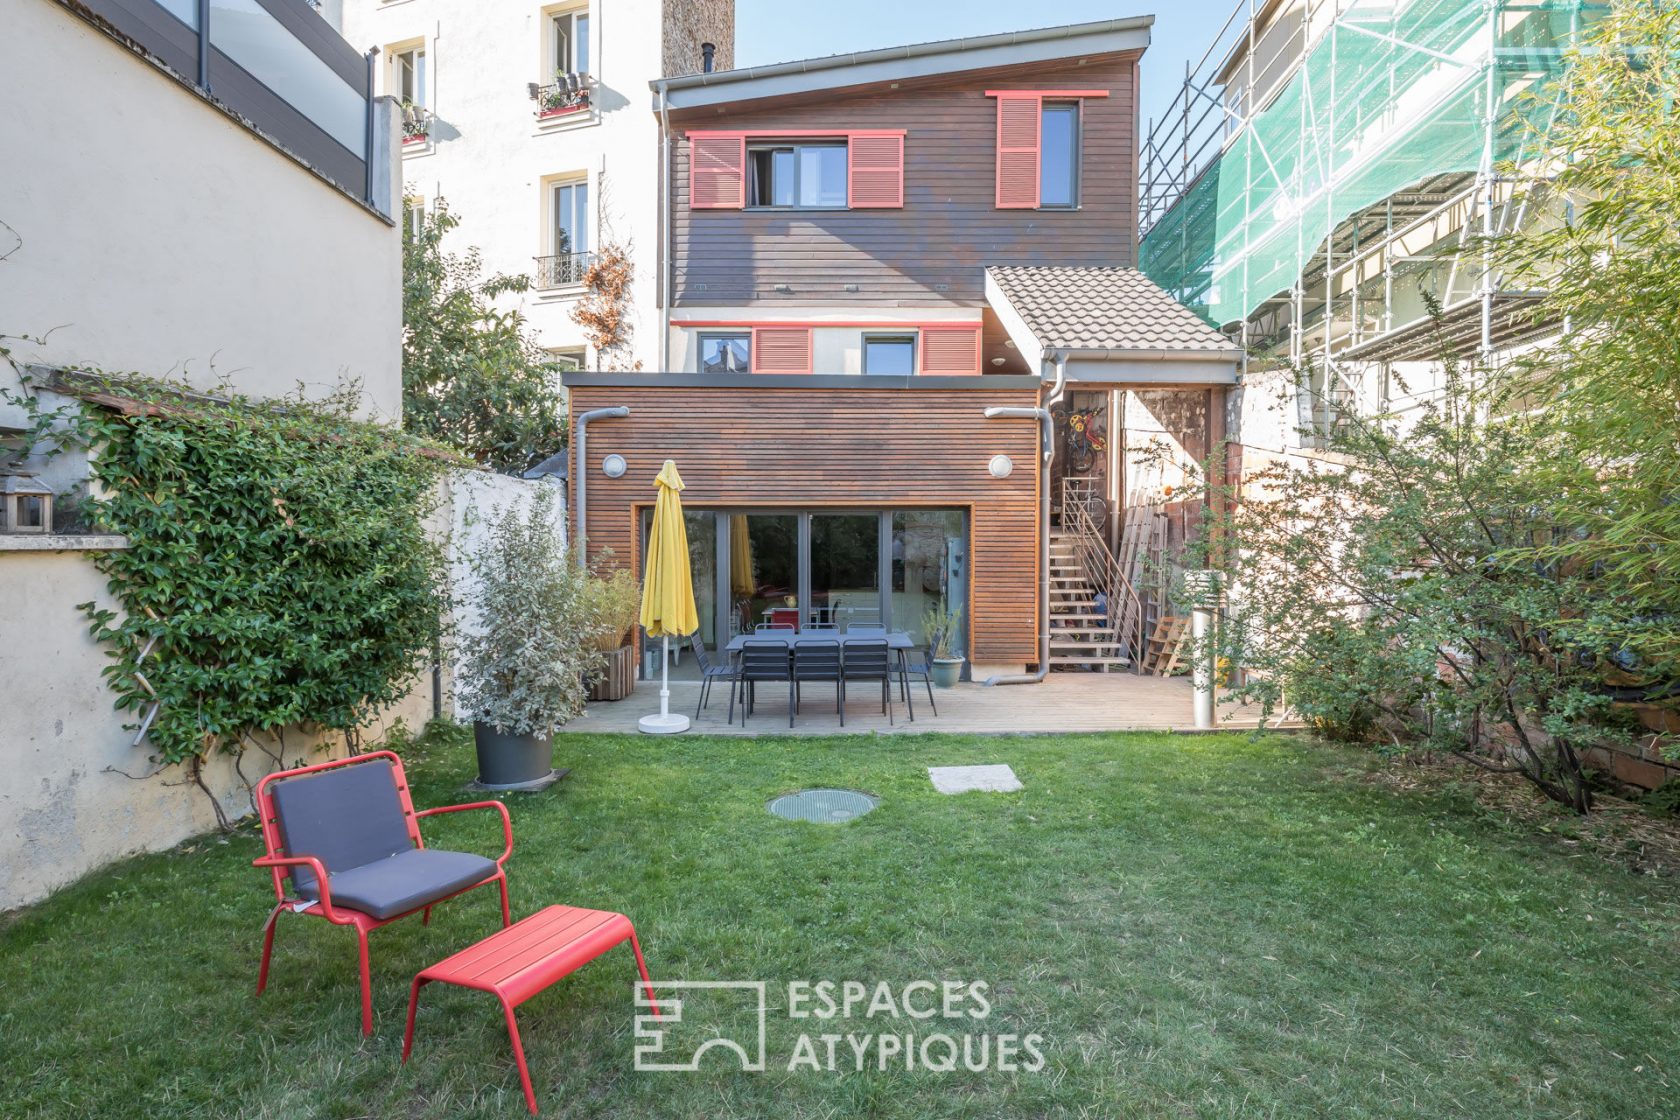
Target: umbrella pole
<point>665,676</point>
<point>665,723</point>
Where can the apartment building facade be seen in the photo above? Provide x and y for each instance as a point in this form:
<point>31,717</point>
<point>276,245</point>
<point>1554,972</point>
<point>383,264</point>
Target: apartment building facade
<point>864,259</point>
<point>531,120</point>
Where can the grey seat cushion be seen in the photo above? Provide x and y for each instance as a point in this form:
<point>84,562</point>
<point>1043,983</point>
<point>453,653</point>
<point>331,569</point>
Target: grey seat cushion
<point>346,817</point>
<point>407,881</point>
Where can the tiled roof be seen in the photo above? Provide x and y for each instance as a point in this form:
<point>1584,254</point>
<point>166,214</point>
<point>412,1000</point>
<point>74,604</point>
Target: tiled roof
<point>1104,309</point>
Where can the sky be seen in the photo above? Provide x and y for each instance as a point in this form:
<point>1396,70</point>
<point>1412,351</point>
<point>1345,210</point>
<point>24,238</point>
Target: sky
<point>782,30</point>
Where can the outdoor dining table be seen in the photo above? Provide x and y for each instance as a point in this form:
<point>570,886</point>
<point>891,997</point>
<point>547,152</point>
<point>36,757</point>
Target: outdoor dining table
<point>898,641</point>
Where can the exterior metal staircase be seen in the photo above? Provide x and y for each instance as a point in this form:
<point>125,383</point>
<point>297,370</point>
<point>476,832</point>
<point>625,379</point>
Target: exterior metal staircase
<point>1082,635</point>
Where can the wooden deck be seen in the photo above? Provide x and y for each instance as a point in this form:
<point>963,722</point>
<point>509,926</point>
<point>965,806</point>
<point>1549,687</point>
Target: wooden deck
<point>1062,703</point>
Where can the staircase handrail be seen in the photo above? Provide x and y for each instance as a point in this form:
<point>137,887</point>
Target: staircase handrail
<point>1103,571</point>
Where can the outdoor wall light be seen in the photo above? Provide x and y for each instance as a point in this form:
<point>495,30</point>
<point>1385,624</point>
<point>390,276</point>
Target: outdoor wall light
<point>1001,466</point>
<point>613,466</point>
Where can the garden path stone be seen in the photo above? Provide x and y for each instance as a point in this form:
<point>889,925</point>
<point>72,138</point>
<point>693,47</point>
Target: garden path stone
<point>974,779</point>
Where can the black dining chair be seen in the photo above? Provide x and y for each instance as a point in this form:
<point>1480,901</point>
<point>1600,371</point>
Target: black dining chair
<point>708,672</point>
<point>815,661</point>
<point>760,661</point>
<point>773,628</point>
<point>868,660</point>
<point>912,671</point>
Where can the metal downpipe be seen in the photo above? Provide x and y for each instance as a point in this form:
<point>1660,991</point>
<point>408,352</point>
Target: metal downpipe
<point>582,445</point>
<point>1048,451</point>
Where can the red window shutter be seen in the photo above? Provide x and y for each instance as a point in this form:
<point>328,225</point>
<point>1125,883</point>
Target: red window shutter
<point>781,350</point>
<point>1017,151</point>
<point>717,170</point>
<point>950,349</point>
<point>875,166</point>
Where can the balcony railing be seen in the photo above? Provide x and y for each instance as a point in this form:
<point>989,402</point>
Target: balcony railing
<point>416,121</point>
<point>563,270</point>
<point>568,93</point>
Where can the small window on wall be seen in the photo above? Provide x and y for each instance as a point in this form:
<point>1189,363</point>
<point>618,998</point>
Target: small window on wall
<point>571,217</point>
<point>797,176</point>
<point>566,358</point>
<point>569,42</point>
<point>726,353</point>
<point>1058,169</point>
<point>889,354</point>
<point>414,217</point>
<point>408,75</point>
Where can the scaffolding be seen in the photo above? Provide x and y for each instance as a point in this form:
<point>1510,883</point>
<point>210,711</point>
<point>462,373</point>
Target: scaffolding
<point>1331,168</point>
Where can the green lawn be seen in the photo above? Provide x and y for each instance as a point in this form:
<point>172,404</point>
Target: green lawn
<point>1198,926</point>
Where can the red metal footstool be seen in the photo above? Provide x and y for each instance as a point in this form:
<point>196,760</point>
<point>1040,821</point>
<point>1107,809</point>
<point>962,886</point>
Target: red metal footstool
<point>516,963</point>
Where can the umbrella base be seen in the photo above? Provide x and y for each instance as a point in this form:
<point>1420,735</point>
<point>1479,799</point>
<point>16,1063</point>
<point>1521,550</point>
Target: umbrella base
<point>669,724</point>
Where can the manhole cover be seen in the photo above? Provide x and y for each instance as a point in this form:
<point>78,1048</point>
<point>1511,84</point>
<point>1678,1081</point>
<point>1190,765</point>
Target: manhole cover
<point>823,806</point>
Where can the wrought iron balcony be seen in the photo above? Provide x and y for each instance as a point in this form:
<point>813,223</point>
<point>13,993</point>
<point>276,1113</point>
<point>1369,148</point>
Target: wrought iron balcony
<point>416,122</point>
<point>563,270</point>
<point>568,93</point>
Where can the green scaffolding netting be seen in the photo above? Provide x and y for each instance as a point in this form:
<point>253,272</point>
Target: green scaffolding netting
<point>1391,95</point>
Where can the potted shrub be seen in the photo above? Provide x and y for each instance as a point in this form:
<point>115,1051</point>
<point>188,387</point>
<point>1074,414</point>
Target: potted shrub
<point>529,644</point>
<point>940,624</point>
<point>617,607</point>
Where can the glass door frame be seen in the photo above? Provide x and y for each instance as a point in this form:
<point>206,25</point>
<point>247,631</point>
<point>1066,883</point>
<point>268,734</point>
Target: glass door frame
<point>722,593</point>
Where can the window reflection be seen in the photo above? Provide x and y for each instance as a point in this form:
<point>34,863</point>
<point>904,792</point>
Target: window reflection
<point>1058,179</point>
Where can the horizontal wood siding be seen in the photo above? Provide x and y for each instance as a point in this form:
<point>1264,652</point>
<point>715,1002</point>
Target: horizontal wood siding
<point>933,250</point>
<point>808,448</point>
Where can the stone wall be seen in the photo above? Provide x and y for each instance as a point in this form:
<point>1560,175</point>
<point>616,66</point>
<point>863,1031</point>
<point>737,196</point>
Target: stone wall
<point>688,23</point>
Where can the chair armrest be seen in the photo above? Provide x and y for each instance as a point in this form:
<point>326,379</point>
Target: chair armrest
<point>314,864</point>
<point>507,821</point>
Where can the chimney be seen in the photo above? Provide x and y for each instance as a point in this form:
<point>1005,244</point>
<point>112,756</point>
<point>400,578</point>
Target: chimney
<point>706,52</point>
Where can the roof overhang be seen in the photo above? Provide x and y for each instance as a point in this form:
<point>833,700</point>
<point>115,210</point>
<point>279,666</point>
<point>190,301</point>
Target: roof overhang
<point>1128,367</point>
<point>896,64</point>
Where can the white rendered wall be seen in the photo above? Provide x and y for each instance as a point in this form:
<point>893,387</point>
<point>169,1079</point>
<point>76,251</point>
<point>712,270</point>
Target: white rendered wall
<point>152,233</point>
<point>493,161</point>
<point>146,231</point>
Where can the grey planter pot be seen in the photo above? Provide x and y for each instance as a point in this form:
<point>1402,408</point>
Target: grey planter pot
<point>512,761</point>
<point>946,671</point>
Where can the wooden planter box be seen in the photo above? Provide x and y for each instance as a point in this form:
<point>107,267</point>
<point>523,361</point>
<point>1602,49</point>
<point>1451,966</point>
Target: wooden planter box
<point>619,680</point>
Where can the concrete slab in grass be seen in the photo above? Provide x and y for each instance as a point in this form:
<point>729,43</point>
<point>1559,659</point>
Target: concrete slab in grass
<point>974,779</point>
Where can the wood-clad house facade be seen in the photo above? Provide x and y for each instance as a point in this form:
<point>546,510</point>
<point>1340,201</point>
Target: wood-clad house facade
<point>829,349</point>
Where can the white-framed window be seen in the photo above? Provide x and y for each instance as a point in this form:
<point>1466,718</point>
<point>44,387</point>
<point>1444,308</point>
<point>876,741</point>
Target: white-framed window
<point>797,176</point>
<point>567,357</point>
<point>414,216</point>
<point>408,74</point>
<point>568,41</point>
<point>569,205</point>
<point>566,243</point>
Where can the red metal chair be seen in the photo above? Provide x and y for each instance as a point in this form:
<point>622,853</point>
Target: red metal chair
<point>347,835</point>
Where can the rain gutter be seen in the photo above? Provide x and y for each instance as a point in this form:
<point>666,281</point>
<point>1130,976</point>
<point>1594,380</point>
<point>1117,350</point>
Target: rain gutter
<point>1048,451</point>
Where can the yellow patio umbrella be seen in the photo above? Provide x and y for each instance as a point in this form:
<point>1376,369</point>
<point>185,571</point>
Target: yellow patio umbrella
<point>667,592</point>
<point>741,580</point>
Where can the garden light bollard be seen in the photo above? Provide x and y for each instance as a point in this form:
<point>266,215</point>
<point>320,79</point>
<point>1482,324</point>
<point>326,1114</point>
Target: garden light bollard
<point>1202,586</point>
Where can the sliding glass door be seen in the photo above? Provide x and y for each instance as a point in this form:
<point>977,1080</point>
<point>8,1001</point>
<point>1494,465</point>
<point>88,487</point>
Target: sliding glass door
<point>844,568</point>
<point>929,572</point>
